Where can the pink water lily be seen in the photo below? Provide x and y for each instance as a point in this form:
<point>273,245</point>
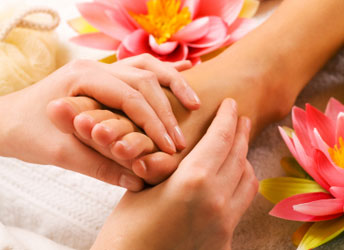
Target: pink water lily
<point>317,144</point>
<point>170,30</point>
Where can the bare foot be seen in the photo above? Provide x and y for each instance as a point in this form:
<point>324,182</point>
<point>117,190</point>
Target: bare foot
<point>113,135</point>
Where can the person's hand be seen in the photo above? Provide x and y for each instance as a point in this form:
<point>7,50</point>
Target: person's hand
<point>26,132</point>
<point>199,206</point>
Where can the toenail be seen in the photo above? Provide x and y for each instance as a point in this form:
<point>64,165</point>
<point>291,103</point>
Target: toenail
<point>85,117</point>
<point>129,182</point>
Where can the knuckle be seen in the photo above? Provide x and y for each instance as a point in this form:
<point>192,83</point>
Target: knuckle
<point>224,135</point>
<point>254,183</point>
<point>78,64</point>
<point>59,155</point>
<point>216,205</point>
<point>133,96</point>
<point>146,57</point>
<point>241,163</point>
<point>148,77</point>
<point>196,182</point>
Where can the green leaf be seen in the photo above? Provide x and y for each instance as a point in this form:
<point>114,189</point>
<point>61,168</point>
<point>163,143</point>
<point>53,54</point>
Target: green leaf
<point>293,168</point>
<point>277,189</point>
<point>321,232</point>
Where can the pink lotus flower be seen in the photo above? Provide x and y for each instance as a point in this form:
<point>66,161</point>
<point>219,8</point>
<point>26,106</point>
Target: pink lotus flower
<point>317,144</point>
<point>170,30</point>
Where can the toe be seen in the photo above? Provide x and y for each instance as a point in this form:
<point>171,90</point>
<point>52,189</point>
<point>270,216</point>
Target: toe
<point>108,131</point>
<point>87,120</point>
<point>63,111</point>
<point>133,145</point>
<point>155,168</point>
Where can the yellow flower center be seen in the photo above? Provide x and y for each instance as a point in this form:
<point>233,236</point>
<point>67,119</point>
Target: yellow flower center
<point>164,18</point>
<point>337,153</point>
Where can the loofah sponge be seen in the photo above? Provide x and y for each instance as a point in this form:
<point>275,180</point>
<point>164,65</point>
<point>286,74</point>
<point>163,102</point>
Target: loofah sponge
<point>27,51</point>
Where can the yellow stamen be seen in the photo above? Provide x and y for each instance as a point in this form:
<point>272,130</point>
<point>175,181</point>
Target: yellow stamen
<point>337,153</point>
<point>164,18</point>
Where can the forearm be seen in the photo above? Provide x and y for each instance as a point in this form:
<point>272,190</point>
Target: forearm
<point>265,71</point>
<point>298,39</point>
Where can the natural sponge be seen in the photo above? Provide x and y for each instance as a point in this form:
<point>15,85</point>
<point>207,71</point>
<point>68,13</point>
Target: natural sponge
<point>27,52</point>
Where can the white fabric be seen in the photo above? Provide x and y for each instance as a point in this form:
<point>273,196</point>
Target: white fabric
<point>70,208</point>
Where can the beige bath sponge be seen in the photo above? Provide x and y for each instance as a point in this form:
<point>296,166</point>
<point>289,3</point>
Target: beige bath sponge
<point>27,49</point>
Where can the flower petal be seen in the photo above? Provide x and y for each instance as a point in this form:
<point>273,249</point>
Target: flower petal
<point>123,52</point>
<point>288,141</point>
<point>322,123</point>
<point>137,42</point>
<point>333,108</point>
<point>111,21</point>
<point>227,10</point>
<point>340,127</point>
<point>164,48</point>
<point>193,6</point>
<point>96,40</point>
<point>193,31</point>
<point>249,9</point>
<point>284,209</point>
<point>304,160</point>
<point>321,232</point>
<point>136,6</point>
<point>217,34</point>
<point>337,192</point>
<point>333,175</point>
<point>280,188</point>
<point>179,54</point>
<point>240,28</point>
<point>299,119</point>
<point>321,207</point>
<point>320,144</point>
<point>81,26</point>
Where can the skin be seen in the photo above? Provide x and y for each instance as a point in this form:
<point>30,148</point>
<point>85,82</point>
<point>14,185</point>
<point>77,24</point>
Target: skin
<point>200,205</point>
<point>29,135</point>
<point>263,78</point>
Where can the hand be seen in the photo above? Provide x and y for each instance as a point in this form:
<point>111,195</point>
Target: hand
<point>199,206</point>
<point>27,134</point>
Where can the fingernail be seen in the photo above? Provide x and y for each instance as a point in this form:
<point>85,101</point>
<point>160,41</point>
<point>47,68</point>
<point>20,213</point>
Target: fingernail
<point>234,104</point>
<point>248,124</point>
<point>129,182</point>
<point>179,137</point>
<point>169,143</point>
<point>143,166</point>
<point>193,96</point>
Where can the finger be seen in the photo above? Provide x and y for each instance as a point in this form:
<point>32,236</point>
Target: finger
<point>84,160</point>
<point>147,84</point>
<point>85,121</point>
<point>181,65</point>
<point>132,146</point>
<point>212,150</point>
<point>168,76</point>
<point>155,168</point>
<point>246,190</point>
<point>114,93</point>
<point>63,111</point>
<point>231,170</point>
<point>108,131</point>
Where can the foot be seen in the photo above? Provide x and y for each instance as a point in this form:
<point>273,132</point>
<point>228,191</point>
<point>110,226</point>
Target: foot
<point>113,135</point>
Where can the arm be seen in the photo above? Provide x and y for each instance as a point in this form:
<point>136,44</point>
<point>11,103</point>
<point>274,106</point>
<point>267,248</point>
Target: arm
<point>264,72</point>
